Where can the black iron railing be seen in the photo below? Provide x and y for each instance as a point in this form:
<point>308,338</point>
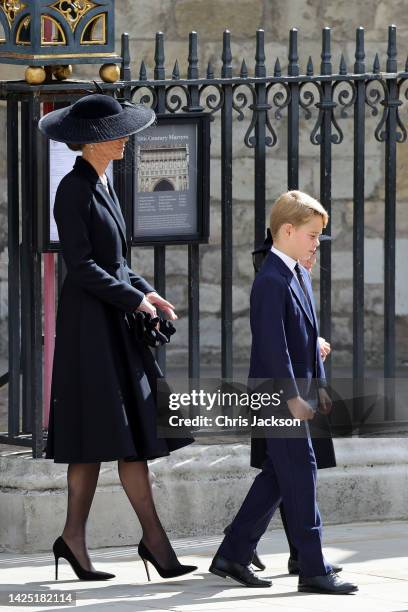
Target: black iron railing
<point>335,94</point>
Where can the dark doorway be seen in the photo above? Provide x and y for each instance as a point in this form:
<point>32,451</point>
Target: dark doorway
<point>163,185</point>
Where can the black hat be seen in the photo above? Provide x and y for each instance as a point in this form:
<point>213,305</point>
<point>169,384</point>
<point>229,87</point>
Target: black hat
<point>96,118</point>
<point>259,254</point>
<point>267,243</point>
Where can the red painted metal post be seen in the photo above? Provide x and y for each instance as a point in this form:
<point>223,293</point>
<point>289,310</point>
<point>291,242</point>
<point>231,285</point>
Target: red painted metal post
<point>49,329</point>
<point>49,301</point>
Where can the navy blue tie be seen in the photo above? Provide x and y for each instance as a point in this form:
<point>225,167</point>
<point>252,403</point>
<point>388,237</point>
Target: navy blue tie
<point>302,282</point>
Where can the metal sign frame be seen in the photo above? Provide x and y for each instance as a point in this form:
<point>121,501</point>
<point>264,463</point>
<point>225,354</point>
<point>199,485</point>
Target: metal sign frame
<point>202,122</point>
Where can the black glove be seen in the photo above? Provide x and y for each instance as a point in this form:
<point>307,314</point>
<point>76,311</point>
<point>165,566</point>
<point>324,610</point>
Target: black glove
<point>147,332</point>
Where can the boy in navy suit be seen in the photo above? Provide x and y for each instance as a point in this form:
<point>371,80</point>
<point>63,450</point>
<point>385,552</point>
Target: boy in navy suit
<point>285,351</point>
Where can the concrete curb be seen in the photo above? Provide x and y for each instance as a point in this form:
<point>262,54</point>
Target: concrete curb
<point>197,491</point>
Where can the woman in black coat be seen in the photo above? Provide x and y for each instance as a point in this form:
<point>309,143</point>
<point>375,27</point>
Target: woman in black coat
<point>103,391</point>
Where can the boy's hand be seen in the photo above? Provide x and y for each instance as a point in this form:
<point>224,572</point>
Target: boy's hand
<point>325,404</point>
<point>325,348</point>
<point>300,409</point>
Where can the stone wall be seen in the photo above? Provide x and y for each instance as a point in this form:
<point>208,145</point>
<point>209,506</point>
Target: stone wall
<point>209,17</point>
<point>197,490</point>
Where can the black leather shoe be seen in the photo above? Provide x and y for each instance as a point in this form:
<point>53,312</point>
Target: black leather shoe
<point>241,573</point>
<point>255,559</point>
<point>293,567</point>
<point>329,584</point>
<point>257,562</point>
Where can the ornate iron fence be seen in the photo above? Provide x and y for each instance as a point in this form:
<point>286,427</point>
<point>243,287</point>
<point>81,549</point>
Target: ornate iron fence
<point>334,93</point>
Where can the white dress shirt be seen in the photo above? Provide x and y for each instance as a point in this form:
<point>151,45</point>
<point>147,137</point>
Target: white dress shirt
<point>289,261</point>
<point>104,181</point>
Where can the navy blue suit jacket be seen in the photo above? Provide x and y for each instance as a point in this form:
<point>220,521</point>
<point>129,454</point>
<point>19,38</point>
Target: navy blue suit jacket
<point>284,331</point>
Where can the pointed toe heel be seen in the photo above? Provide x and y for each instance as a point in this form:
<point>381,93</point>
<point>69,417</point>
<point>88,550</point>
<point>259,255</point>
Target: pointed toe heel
<point>61,550</point>
<point>172,572</point>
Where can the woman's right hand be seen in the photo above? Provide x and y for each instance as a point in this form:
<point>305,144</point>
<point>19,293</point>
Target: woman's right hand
<point>146,306</point>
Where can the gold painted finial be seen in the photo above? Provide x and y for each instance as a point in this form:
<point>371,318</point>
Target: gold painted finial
<point>109,73</point>
<point>35,75</point>
<point>63,72</point>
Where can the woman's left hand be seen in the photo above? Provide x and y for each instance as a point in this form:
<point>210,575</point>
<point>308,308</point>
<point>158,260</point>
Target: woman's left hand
<point>162,304</point>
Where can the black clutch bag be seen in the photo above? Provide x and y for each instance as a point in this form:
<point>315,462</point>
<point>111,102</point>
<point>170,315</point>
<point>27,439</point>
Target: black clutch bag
<point>145,329</point>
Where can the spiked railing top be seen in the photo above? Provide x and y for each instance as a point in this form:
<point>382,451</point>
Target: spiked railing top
<point>359,65</point>
<point>159,69</point>
<point>226,70</point>
<point>260,68</point>
<point>293,66</point>
<point>326,66</point>
<point>192,71</point>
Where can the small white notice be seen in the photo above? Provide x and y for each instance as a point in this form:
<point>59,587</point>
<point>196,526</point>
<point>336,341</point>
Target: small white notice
<point>62,160</point>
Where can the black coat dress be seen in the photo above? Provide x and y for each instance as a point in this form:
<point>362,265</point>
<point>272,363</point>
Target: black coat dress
<point>103,391</point>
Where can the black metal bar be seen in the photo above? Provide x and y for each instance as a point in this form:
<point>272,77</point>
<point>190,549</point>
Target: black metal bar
<point>36,300</point>
<point>260,109</point>
<point>193,73</point>
<point>52,92</point>
<point>26,311</point>
<point>123,169</point>
<point>13,198</point>
<point>193,311</point>
<point>391,102</point>
<point>125,70</point>
<point>160,251</point>
<point>358,219</point>
<point>193,249</point>
<point>293,113</point>
<point>226,213</point>
<point>160,286</point>
<point>16,440</point>
<point>31,280</point>
<point>326,107</point>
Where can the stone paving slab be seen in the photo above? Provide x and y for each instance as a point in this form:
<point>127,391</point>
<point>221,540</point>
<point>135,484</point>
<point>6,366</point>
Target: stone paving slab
<point>374,555</point>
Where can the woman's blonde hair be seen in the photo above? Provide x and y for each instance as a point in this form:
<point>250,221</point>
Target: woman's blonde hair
<point>297,208</point>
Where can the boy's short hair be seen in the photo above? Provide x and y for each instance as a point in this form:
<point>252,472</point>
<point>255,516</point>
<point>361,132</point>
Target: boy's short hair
<point>297,208</point>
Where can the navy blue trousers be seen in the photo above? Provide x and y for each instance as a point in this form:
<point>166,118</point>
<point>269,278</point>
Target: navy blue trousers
<point>289,475</point>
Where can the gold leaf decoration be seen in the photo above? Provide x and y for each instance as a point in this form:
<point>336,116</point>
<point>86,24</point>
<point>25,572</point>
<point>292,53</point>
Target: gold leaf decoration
<point>11,8</point>
<point>73,10</point>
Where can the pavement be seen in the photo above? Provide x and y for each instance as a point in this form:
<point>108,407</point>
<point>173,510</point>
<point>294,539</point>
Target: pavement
<point>374,556</point>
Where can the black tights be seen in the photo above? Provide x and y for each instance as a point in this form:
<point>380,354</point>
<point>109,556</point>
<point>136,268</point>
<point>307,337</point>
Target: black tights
<point>134,476</point>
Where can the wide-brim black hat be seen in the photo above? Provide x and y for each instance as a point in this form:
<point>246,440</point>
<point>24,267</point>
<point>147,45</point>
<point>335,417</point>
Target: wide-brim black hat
<point>96,118</point>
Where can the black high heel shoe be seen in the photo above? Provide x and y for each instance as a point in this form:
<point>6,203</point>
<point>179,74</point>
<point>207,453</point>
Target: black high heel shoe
<point>61,549</point>
<point>177,570</point>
